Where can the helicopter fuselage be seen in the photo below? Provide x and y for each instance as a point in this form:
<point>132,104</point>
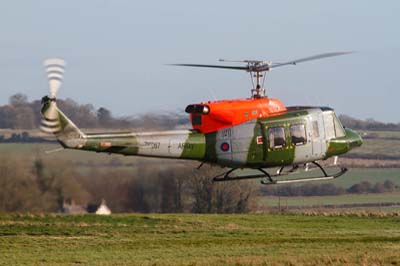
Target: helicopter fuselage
<point>300,135</point>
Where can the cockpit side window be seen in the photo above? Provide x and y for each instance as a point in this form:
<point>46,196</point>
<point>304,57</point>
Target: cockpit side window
<point>338,127</point>
<point>329,125</point>
<point>333,127</point>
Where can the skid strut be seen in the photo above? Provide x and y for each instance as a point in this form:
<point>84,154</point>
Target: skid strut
<point>268,180</point>
<point>226,176</point>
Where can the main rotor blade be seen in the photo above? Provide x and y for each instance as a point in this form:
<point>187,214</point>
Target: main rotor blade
<point>314,57</point>
<point>213,66</point>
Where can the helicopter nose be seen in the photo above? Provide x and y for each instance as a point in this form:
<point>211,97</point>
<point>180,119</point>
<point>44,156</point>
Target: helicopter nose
<point>355,139</point>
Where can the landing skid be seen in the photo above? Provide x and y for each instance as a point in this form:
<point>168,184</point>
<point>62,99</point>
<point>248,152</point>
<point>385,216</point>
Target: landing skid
<point>268,179</point>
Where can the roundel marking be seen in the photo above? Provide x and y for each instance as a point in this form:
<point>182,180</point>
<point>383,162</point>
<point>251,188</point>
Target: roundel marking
<point>224,146</point>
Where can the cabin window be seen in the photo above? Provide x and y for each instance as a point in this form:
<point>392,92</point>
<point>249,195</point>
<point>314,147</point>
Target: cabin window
<point>276,137</point>
<point>196,120</point>
<point>315,129</point>
<point>298,134</point>
<point>254,112</point>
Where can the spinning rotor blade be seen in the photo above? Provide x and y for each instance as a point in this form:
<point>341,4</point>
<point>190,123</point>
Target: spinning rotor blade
<point>55,73</point>
<point>261,66</point>
<point>314,57</point>
<point>213,66</point>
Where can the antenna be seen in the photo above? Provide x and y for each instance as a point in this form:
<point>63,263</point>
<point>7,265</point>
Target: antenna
<point>259,68</point>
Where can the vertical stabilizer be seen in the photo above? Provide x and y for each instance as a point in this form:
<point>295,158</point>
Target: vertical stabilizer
<point>54,121</point>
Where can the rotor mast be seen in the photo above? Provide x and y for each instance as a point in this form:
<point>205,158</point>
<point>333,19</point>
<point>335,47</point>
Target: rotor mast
<point>258,91</point>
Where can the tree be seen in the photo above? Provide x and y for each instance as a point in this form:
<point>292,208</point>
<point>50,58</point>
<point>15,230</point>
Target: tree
<point>18,99</point>
<point>104,117</point>
<point>168,191</point>
<point>202,194</point>
<point>7,116</point>
<point>378,188</point>
<point>18,191</point>
<point>389,186</point>
<point>363,187</point>
<point>223,197</point>
<point>24,118</point>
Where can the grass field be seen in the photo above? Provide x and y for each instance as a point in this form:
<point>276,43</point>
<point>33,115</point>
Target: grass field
<point>170,239</point>
<point>374,147</point>
<point>354,175</point>
<point>269,201</point>
<point>384,143</point>
<point>373,175</point>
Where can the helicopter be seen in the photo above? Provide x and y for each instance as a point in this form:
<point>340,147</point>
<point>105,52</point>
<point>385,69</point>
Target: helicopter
<point>257,133</point>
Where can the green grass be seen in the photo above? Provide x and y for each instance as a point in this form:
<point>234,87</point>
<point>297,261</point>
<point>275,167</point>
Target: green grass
<point>31,150</point>
<point>372,175</point>
<point>374,147</point>
<point>83,160</point>
<point>352,176</point>
<point>157,239</point>
<point>382,145</point>
<point>383,134</point>
<point>272,201</point>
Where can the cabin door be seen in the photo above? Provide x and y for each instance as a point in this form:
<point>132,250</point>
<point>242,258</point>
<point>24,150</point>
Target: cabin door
<point>316,133</point>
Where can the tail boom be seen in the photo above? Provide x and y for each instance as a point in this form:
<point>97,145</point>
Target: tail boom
<point>182,144</point>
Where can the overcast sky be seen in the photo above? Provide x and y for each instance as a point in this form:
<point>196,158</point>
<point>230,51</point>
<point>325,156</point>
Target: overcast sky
<point>116,52</point>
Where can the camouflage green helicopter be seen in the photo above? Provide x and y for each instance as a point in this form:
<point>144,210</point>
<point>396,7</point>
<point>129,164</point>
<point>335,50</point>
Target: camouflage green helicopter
<point>258,133</point>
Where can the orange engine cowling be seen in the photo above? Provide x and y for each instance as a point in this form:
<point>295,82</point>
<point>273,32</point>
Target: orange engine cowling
<point>211,116</point>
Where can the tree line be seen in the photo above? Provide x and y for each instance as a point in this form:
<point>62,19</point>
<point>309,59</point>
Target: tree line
<point>20,113</point>
<point>368,124</point>
<point>44,185</point>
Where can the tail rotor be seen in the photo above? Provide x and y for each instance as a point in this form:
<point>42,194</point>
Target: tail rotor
<point>55,68</point>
